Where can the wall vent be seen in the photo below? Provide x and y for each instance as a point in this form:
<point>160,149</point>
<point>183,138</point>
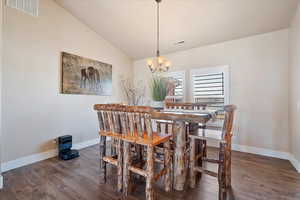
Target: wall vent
<point>30,7</point>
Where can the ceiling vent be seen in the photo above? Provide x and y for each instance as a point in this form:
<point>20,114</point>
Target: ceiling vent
<point>30,7</point>
<point>179,42</point>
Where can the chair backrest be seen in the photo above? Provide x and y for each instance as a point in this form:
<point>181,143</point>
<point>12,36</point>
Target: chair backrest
<point>107,121</point>
<point>139,121</point>
<point>129,121</point>
<point>185,106</point>
<point>228,121</point>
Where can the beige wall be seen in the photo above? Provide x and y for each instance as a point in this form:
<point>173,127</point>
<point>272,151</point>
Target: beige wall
<point>259,84</point>
<point>294,85</point>
<point>34,111</point>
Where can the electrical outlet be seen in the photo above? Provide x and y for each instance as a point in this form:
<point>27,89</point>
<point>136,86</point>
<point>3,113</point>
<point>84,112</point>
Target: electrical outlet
<point>298,105</point>
<point>54,141</point>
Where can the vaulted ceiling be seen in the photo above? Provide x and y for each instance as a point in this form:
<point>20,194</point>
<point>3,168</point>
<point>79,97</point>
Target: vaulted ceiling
<point>130,24</point>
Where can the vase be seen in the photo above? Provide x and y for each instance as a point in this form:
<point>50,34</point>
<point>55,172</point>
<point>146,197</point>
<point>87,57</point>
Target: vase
<point>158,104</point>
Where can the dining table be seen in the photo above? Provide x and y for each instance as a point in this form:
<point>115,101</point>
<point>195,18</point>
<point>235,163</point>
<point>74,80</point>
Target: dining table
<point>183,121</point>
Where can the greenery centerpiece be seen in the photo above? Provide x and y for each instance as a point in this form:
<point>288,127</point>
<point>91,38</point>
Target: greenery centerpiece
<point>159,90</point>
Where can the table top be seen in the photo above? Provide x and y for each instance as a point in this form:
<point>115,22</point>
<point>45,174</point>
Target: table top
<point>191,116</point>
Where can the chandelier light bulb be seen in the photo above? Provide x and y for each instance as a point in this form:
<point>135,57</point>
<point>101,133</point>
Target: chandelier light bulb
<point>149,62</point>
<point>168,63</point>
<point>160,60</point>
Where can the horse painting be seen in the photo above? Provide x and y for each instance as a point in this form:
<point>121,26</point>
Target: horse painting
<point>85,76</point>
<point>92,76</point>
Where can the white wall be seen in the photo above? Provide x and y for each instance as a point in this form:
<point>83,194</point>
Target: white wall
<point>294,85</point>
<point>259,84</point>
<point>34,111</point>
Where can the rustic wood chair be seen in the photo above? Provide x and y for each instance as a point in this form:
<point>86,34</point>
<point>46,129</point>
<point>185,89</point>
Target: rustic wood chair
<point>198,106</point>
<point>166,126</point>
<point>224,161</point>
<point>109,127</point>
<point>180,106</point>
<point>137,125</point>
<point>173,106</point>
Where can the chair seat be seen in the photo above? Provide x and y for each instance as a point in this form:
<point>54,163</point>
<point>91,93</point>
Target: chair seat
<point>215,125</point>
<point>209,134</point>
<point>157,138</point>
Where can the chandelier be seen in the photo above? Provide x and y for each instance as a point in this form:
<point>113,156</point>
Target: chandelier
<point>159,63</point>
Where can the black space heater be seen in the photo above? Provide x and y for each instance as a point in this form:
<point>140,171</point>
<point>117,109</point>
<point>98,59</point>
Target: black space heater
<point>65,151</point>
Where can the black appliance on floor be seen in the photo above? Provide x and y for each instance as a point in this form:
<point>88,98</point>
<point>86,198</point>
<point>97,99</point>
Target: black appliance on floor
<point>65,151</point>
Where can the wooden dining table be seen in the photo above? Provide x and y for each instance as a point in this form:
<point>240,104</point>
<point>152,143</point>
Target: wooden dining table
<point>181,120</point>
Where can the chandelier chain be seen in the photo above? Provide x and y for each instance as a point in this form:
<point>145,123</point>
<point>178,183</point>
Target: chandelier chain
<point>158,53</point>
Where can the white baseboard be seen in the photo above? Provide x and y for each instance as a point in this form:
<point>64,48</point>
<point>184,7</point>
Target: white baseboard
<point>269,153</point>
<point>295,163</point>
<point>1,181</point>
<point>27,160</point>
<point>86,144</point>
<point>261,151</point>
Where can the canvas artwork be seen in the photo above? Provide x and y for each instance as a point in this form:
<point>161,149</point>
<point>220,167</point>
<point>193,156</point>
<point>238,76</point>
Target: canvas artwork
<point>85,76</point>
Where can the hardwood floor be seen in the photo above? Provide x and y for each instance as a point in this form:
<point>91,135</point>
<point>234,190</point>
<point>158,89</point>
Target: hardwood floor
<point>254,178</point>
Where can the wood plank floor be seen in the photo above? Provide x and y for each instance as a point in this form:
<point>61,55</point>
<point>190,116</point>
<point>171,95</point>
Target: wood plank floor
<point>254,178</point>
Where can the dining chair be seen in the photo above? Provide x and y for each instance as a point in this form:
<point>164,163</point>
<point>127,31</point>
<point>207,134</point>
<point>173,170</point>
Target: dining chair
<point>181,106</point>
<point>165,125</point>
<point>224,160</point>
<point>214,123</point>
<point>175,106</point>
<point>109,128</point>
<point>136,123</point>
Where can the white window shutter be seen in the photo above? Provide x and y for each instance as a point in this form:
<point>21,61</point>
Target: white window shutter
<point>30,7</point>
<point>210,86</point>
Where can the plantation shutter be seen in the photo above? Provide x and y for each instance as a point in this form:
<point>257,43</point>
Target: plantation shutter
<point>208,88</point>
<point>30,7</point>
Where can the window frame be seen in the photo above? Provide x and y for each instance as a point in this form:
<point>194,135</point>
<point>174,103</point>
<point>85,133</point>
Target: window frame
<point>209,70</point>
<point>181,73</point>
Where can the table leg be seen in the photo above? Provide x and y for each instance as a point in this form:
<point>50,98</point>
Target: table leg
<point>180,169</point>
<point>193,130</point>
<point>120,165</point>
<point>102,162</point>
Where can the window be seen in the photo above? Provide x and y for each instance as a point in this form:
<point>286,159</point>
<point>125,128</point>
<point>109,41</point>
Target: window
<point>210,86</point>
<point>176,94</point>
<point>30,7</point>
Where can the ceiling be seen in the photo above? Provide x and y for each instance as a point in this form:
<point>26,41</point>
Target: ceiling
<point>130,24</point>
